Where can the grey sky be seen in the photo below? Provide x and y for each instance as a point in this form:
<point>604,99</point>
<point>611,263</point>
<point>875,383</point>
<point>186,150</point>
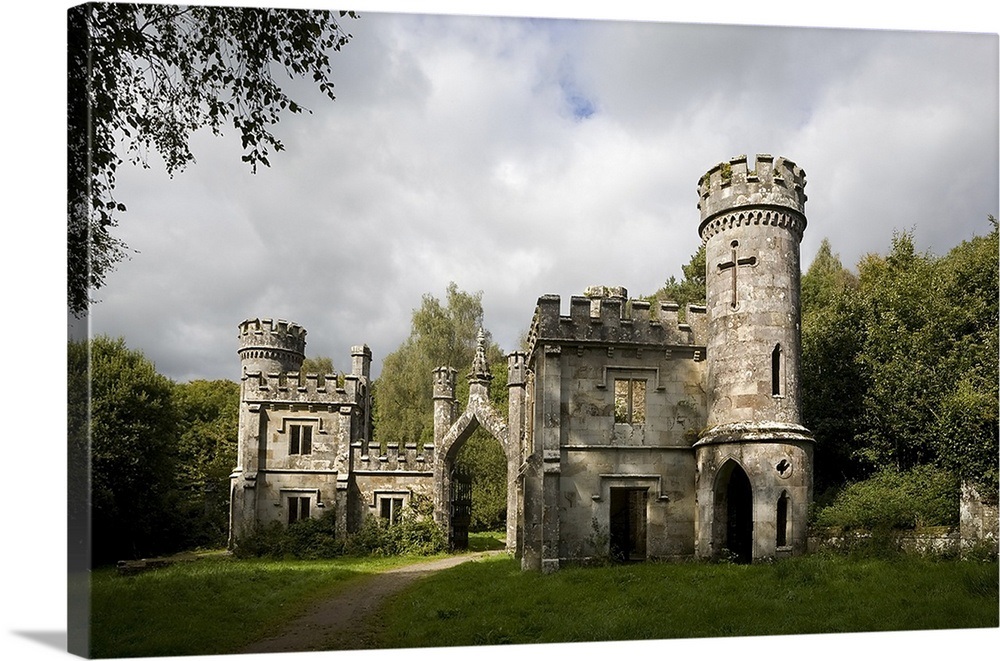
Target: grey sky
<point>521,157</point>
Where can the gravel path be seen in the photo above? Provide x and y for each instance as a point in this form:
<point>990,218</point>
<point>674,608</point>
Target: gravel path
<point>344,621</point>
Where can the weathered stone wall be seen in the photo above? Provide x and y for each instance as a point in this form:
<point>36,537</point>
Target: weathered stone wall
<point>280,410</point>
<point>577,449</point>
<point>774,469</point>
<point>586,479</point>
<point>979,519</point>
<point>368,487</point>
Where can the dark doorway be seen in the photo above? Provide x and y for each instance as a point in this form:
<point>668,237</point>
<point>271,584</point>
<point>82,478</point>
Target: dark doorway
<point>739,516</point>
<point>461,509</point>
<point>628,524</point>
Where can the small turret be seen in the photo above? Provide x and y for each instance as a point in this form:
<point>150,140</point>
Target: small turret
<point>361,361</point>
<point>268,346</point>
<point>444,400</point>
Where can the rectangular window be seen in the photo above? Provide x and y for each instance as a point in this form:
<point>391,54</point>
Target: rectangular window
<point>300,439</point>
<point>630,401</point>
<point>390,509</point>
<point>298,508</point>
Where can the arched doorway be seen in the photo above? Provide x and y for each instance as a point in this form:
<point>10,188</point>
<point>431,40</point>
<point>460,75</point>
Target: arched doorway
<point>450,494</point>
<point>734,512</point>
<point>452,486</point>
<point>479,488</point>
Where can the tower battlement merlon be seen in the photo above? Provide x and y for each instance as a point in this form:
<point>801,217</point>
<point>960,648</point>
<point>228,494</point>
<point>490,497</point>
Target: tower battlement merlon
<point>771,182</point>
<point>273,334</point>
<point>606,316</point>
<point>296,387</point>
<point>271,345</point>
<point>444,382</point>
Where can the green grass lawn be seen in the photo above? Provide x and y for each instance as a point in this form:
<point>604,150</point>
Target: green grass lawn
<point>213,605</point>
<point>218,605</point>
<point>815,594</point>
<point>490,540</point>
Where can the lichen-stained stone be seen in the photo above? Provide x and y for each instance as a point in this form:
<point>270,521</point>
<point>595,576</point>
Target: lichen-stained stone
<point>628,433</point>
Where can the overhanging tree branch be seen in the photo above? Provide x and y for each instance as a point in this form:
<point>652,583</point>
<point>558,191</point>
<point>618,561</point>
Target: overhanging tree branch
<point>143,78</point>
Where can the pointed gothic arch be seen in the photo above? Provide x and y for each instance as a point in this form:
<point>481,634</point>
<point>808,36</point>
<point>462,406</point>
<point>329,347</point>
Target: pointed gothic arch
<point>478,413</point>
<point>733,527</point>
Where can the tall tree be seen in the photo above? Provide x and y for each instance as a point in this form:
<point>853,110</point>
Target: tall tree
<point>441,334</point>
<point>826,280</point>
<point>132,435</point>
<point>142,78</point>
<point>966,425</point>
<point>832,386</point>
<point>207,436</point>
<point>689,290</point>
<point>900,366</point>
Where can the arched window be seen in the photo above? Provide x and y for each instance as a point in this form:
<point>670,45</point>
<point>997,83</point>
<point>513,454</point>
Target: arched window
<point>776,389</point>
<point>782,520</point>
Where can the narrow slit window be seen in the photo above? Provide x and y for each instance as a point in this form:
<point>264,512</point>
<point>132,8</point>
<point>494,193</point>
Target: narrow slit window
<point>776,371</point>
<point>782,520</point>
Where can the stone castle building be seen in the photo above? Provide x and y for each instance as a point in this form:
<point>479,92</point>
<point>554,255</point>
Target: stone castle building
<point>629,433</point>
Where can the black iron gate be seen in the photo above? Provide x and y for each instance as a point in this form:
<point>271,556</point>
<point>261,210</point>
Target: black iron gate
<point>461,509</point>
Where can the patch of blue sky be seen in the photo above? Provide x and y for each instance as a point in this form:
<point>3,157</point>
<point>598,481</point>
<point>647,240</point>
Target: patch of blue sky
<point>580,105</point>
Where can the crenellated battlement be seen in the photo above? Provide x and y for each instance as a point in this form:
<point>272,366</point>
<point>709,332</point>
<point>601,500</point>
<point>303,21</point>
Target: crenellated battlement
<point>272,334</point>
<point>732,185</point>
<point>369,458</point>
<point>615,320</point>
<point>517,368</point>
<point>444,382</point>
<point>295,387</point>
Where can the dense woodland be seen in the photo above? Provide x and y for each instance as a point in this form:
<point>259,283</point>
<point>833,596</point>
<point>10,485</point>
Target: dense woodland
<point>900,387</point>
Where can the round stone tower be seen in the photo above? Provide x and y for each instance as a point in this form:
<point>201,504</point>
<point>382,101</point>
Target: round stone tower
<point>754,457</point>
<point>268,346</point>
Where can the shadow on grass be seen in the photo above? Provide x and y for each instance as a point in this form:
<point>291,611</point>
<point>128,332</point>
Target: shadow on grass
<point>487,541</point>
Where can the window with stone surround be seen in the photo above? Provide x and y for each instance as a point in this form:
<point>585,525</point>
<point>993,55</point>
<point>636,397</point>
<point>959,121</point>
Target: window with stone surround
<point>300,439</point>
<point>630,401</point>
<point>298,508</point>
<point>390,508</point>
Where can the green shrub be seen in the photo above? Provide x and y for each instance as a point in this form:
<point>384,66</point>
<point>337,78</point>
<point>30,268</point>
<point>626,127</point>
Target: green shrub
<point>313,539</point>
<point>410,535</point>
<point>893,500</point>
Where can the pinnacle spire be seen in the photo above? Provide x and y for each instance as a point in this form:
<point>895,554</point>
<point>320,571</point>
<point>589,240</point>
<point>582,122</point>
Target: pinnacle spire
<point>480,368</point>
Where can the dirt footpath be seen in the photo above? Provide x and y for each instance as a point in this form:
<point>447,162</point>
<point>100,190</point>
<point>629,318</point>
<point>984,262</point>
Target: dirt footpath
<point>344,621</point>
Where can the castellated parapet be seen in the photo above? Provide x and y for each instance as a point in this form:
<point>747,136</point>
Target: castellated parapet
<point>268,345</point>
<point>608,317</point>
<point>311,389</point>
<point>411,457</point>
<point>772,193</point>
<point>444,382</point>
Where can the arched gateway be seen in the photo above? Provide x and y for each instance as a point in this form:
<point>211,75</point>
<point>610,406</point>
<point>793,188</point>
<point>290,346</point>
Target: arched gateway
<point>451,433</point>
